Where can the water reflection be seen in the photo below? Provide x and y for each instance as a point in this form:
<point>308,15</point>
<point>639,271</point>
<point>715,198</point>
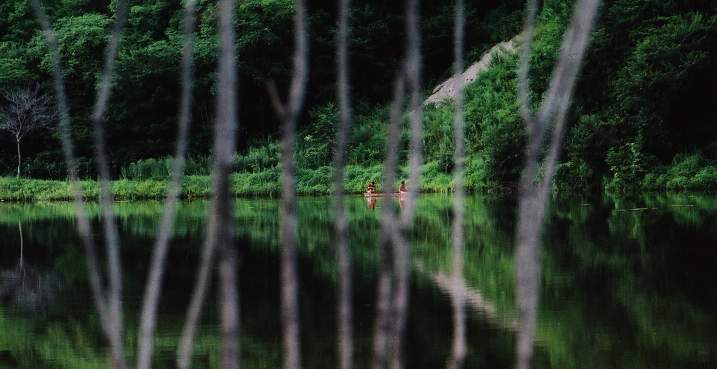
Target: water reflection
<point>620,287</point>
<point>371,202</point>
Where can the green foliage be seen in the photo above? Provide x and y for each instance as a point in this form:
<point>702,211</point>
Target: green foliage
<point>648,78</point>
<point>148,169</point>
<point>367,142</point>
<point>316,141</point>
<point>438,127</point>
<point>161,168</point>
<point>665,56</point>
<point>83,37</point>
<point>13,64</point>
<point>573,176</point>
<point>142,112</point>
<point>494,129</point>
<point>257,158</point>
<point>687,172</point>
<point>627,166</point>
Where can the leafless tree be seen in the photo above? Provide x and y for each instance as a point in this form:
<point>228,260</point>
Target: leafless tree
<point>402,253</point>
<point>108,304</point>
<point>394,269</point>
<point>24,111</point>
<point>458,348</point>
<point>220,225</point>
<point>548,123</point>
<point>289,114</point>
<point>220,232</point>
<point>224,148</point>
<point>383,328</point>
<point>343,256</point>
<point>112,241</point>
<point>153,288</point>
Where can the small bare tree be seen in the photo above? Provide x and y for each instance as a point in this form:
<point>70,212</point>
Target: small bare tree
<point>26,110</point>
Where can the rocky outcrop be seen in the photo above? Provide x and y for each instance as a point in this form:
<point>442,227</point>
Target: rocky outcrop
<point>447,90</point>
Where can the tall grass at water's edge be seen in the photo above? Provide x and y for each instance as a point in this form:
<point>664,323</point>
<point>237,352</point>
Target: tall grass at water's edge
<point>262,183</point>
<point>318,181</point>
<point>684,175</point>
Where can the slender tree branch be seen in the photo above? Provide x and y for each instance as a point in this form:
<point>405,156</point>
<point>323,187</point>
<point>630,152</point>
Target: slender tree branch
<point>289,113</point>
<point>389,231</point>
<point>112,241</point>
<point>401,246</point>
<point>533,198</point>
<point>343,255</point>
<point>413,82</point>
<point>220,232</point>
<point>153,286</point>
<point>458,348</point>
<point>224,148</point>
<point>110,314</point>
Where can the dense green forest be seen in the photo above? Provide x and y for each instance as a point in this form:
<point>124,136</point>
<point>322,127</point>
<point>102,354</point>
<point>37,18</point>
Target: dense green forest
<point>643,115</point>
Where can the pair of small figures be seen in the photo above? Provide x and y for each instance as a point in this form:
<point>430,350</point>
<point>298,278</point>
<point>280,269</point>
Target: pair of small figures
<point>371,187</point>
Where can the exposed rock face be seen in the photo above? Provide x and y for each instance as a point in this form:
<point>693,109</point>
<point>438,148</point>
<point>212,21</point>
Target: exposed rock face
<point>447,90</point>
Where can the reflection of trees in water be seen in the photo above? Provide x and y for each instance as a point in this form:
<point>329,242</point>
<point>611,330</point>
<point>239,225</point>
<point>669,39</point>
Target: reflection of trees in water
<point>547,125</point>
<point>26,287</point>
<point>593,275</point>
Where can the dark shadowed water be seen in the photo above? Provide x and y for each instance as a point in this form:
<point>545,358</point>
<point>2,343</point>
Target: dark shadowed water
<point>626,283</point>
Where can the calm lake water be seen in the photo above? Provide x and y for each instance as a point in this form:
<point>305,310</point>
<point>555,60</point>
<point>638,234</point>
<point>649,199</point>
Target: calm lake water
<point>625,283</point>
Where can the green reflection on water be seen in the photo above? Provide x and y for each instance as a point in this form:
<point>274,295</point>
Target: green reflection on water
<point>625,282</point>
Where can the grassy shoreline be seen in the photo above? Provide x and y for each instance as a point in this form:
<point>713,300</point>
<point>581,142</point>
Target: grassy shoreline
<point>686,174</point>
<point>263,183</point>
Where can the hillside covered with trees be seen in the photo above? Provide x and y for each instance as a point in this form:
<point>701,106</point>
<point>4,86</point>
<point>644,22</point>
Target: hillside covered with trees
<point>643,115</point>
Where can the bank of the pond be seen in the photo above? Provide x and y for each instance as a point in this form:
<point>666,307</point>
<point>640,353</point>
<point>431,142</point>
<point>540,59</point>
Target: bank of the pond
<point>262,183</point>
<point>686,174</point>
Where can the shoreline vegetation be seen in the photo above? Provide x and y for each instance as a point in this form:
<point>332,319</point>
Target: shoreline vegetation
<point>689,173</point>
<point>264,183</point>
<point>644,124</point>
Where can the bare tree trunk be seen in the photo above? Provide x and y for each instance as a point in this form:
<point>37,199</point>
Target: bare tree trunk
<point>83,224</point>
<point>289,114</point>
<point>458,348</point>
<point>220,232</point>
<point>413,81</point>
<point>394,275</point>
<point>225,137</point>
<point>108,308</point>
<point>153,287</point>
<point>533,197</point>
<point>402,244</point>
<point>112,241</point>
<point>389,230</point>
<point>19,157</point>
<point>343,255</point>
